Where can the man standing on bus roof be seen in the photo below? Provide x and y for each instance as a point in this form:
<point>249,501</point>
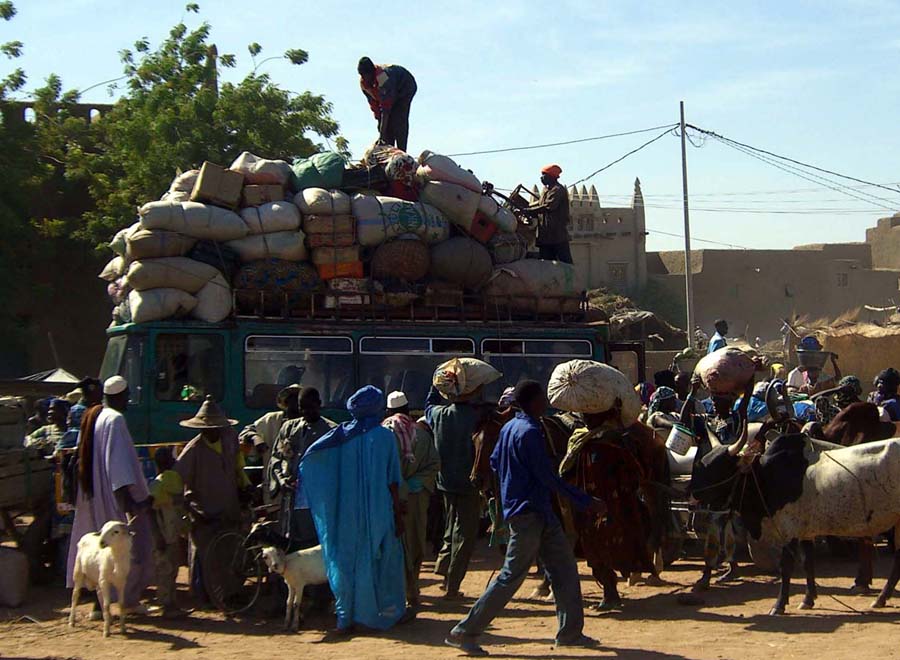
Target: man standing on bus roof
<point>552,210</point>
<point>389,89</point>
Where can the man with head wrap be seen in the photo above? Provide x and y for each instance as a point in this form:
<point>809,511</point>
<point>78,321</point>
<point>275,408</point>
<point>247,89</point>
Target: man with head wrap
<point>552,210</point>
<point>850,391</point>
<point>885,394</point>
<point>351,479</point>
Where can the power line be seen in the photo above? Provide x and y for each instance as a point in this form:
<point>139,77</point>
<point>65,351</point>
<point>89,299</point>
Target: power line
<point>701,240</point>
<point>837,187</point>
<point>666,132</point>
<point>796,162</point>
<point>561,144</point>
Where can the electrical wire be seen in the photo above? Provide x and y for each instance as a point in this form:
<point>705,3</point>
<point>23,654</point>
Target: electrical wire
<point>666,132</point>
<point>700,240</point>
<point>562,144</point>
<point>791,160</point>
<point>813,177</point>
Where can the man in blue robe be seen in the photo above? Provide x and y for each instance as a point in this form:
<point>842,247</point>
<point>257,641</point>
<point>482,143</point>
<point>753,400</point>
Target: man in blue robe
<point>351,477</point>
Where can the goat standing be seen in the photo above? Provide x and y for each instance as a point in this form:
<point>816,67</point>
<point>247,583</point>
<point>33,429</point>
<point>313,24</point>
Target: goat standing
<point>298,569</point>
<point>103,561</point>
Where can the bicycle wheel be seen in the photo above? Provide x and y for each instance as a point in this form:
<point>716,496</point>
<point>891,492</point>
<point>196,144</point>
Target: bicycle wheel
<point>232,573</point>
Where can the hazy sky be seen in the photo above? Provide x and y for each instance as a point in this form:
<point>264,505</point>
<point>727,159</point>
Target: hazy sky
<point>812,80</point>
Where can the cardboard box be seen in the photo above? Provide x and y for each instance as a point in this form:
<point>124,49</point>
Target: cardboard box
<point>217,185</point>
<point>257,195</point>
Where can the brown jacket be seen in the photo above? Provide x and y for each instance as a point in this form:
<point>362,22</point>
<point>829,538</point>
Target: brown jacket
<point>553,227</point>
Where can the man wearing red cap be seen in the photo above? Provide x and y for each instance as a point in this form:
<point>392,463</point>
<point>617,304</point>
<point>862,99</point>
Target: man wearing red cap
<point>552,210</point>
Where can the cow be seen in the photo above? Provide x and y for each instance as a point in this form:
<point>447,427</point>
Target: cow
<point>856,424</point>
<point>793,493</point>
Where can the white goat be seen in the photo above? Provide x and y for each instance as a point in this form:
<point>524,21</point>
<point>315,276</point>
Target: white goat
<point>298,569</point>
<point>102,562</point>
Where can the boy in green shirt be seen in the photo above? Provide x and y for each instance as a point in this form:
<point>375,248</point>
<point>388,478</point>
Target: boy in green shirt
<point>167,490</point>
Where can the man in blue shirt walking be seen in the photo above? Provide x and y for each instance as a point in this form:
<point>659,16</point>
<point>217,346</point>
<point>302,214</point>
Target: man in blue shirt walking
<point>527,484</point>
<point>718,340</point>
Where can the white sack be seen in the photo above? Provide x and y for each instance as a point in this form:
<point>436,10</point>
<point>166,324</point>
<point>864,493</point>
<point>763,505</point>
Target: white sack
<point>261,171</point>
<point>459,377</point>
<point>318,201</point>
<point>113,270</point>
<point>194,219</point>
<point>586,386</point>
<point>150,244</point>
<point>458,204</point>
<point>271,217</point>
<point>213,301</point>
<point>159,304</point>
<point>119,243</point>
<point>182,185</point>
<point>286,245</point>
<point>434,167</point>
<point>381,218</point>
<point>170,273</point>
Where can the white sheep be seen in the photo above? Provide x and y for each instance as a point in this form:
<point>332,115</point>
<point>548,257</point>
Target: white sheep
<point>103,561</point>
<point>298,569</point>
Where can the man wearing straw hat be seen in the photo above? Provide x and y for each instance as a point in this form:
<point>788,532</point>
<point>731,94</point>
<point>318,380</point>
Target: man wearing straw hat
<point>212,468</point>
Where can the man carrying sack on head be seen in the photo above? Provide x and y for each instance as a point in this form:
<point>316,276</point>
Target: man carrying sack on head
<point>212,468</point>
<point>552,211</point>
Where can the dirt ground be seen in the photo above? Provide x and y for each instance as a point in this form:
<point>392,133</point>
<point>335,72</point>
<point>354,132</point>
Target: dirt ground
<point>657,623</point>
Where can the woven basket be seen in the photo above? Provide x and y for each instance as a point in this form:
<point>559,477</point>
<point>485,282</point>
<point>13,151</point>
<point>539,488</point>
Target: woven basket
<point>406,259</point>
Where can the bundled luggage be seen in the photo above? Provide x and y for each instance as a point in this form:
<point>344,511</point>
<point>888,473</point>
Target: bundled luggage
<point>459,378</point>
<point>388,230</point>
<point>726,371</point>
<point>585,386</point>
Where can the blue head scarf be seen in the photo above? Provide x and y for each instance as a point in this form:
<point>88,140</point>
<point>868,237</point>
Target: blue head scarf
<point>367,409</point>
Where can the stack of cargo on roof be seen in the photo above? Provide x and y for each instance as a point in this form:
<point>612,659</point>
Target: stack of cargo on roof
<point>391,226</point>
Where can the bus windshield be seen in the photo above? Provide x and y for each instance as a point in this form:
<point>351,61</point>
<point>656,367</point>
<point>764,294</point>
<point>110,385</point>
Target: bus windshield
<point>273,362</point>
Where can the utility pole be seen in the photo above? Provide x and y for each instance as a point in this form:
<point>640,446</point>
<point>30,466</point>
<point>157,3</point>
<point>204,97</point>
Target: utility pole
<point>688,275</point>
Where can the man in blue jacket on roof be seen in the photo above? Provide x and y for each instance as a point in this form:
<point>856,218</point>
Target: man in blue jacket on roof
<point>527,484</point>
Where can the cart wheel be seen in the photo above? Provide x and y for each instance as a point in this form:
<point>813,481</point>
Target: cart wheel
<point>232,573</point>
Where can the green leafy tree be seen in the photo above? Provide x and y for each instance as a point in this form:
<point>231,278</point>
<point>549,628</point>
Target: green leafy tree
<point>176,113</point>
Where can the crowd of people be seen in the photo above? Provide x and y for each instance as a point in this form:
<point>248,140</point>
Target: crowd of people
<point>360,489</point>
<point>364,489</point>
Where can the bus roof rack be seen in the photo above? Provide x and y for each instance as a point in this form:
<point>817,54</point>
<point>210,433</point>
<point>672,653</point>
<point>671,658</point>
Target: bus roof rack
<point>432,307</point>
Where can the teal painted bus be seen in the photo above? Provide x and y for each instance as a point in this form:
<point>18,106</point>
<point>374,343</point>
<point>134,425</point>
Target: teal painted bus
<point>243,363</point>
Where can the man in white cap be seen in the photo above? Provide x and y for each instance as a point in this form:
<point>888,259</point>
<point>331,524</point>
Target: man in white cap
<point>111,484</point>
<point>419,465</point>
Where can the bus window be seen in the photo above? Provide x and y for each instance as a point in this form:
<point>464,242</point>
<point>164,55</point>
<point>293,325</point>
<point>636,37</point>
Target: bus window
<point>124,357</point>
<point>407,364</point>
<point>532,359</point>
<point>274,362</point>
<point>189,367</point>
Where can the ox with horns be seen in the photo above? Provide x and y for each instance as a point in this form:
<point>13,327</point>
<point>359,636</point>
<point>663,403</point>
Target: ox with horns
<point>792,494</point>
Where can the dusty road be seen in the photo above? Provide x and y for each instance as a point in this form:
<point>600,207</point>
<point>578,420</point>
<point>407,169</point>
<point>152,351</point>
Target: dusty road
<point>730,622</point>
